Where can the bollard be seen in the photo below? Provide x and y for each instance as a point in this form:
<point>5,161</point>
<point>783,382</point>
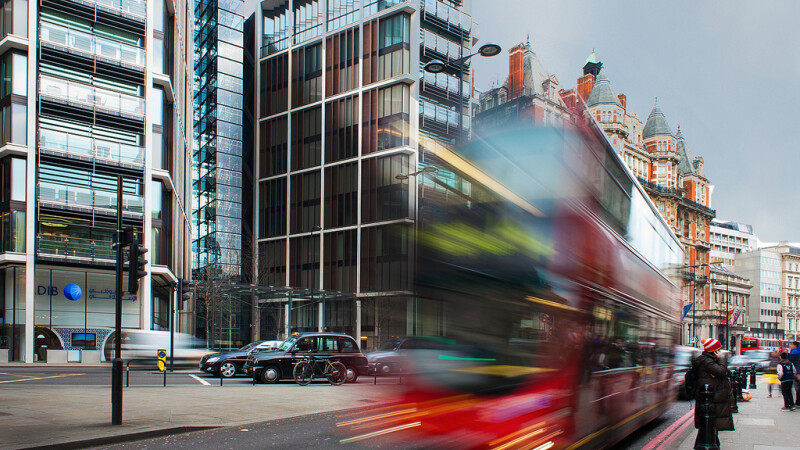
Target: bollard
<point>220,377</point>
<point>165,377</point>
<point>752,376</point>
<point>734,383</point>
<point>127,376</point>
<point>742,383</point>
<point>707,434</point>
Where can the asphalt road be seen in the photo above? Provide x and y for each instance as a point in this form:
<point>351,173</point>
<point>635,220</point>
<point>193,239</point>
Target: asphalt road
<point>11,376</point>
<point>318,431</point>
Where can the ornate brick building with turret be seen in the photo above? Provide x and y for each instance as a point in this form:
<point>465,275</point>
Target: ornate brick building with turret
<point>661,161</point>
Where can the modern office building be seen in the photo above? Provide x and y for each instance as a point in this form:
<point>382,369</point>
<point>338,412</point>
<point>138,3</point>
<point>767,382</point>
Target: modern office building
<point>93,90</point>
<point>342,107</point>
<point>790,288</point>
<point>728,239</point>
<point>727,316</point>
<point>763,268</point>
<point>220,177</point>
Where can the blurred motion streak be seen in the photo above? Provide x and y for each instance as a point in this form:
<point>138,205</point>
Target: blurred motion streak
<point>545,299</point>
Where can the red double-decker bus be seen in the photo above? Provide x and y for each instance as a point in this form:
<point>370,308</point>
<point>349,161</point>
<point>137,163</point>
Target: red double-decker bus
<point>773,345</point>
<point>542,275</point>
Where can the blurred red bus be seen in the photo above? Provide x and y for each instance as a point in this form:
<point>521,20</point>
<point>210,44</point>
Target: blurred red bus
<point>772,345</point>
<point>542,267</point>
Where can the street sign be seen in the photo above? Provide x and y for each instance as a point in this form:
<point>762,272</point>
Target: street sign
<point>162,359</point>
<point>692,340</point>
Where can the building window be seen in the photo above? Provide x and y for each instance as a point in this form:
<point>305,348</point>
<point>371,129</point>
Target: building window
<point>384,258</point>
<point>394,48</point>
<point>272,208</point>
<point>383,196</point>
<point>341,195</point>
<point>342,62</point>
<point>307,75</point>
<point>307,138</point>
<point>340,261</point>
<point>272,263</point>
<point>273,143</point>
<point>14,18</point>
<point>274,85</point>
<point>14,72</point>
<point>341,129</point>
<point>305,207</point>
<point>393,115</point>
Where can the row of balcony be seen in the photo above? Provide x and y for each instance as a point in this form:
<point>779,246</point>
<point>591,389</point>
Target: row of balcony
<point>448,17</point>
<point>442,48</point>
<point>92,97</point>
<point>93,45</point>
<point>91,250</point>
<point>90,148</point>
<point>86,198</point>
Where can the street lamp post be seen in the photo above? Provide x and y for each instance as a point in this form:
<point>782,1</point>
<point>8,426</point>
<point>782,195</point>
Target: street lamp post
<point>437,66</point>
<point>694,299</point>
<point>727,308</point>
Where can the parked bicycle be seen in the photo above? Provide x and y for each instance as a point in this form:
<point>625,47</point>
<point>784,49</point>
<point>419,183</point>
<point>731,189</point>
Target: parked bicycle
<point>311,366</point>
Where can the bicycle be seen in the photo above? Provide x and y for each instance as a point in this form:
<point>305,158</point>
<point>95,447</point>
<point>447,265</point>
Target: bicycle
<point>305,370</point>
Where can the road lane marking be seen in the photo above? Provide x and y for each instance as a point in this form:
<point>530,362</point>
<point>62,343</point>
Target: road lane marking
<point>666,433</point>
<point>202,381</point>
<point>668,442</point>
<point>43,378</point>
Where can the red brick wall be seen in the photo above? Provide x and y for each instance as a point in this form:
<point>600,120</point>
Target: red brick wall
<point>515,74</point>
<point>585,84</point>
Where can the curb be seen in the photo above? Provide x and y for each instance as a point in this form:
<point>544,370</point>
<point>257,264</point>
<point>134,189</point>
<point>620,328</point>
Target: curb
<point>120,438</point>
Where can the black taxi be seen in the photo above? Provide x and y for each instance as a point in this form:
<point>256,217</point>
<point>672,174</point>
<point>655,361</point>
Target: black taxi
<point>278,364</point>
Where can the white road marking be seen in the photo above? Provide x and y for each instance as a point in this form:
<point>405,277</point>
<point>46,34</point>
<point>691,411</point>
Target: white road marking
<point>200,380</point>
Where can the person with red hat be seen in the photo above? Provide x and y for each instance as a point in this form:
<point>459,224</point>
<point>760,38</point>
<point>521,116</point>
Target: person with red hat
<point>711,370</point>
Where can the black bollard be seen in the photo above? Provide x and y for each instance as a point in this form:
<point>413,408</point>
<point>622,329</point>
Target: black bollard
<point>707,434</point>
<point>742,384</point>
<point>734,402</point>
<point>752,376</point>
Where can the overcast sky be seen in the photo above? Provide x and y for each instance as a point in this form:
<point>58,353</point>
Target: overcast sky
<point>727,72</point>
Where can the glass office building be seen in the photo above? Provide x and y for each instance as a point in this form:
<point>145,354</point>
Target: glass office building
<point>219,175</point>
<point>93,90</point>
<point>343,106</point>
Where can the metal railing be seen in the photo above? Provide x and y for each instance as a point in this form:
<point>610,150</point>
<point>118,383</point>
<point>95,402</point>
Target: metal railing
<point>80,196</point>
<point>90,96</point>
<point>86,146</point>
<point>92,44</point>
<point>72,247</point>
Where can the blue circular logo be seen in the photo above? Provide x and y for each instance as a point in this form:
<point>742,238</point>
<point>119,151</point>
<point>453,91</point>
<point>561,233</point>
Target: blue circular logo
<point>72,292</point>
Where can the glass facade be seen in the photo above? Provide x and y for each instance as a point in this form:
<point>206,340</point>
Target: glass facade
<point>95,111</point>
<point>333,120</point>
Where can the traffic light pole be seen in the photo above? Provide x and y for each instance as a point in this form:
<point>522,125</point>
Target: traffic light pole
<point>116,368</point>
<point>172,325</point>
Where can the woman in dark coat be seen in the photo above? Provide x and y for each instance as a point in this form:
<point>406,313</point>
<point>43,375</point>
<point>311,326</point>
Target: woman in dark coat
<point>712,371</point>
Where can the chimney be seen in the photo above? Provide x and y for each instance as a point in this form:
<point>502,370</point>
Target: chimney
<point>515,71</point>
<point>622,100</point>
<point>585,85</point>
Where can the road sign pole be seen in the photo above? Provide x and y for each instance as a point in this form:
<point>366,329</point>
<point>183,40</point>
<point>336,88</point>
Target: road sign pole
<point>116,368</point>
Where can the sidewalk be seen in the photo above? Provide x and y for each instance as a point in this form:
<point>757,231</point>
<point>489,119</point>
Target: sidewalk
<point>50,415</point>
<point>760,424</point>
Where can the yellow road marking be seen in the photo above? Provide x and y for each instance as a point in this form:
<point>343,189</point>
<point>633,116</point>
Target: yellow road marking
<point>42,378</point>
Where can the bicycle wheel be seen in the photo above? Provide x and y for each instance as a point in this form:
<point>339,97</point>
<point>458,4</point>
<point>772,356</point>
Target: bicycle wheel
<point>303,373</point>
<point>336,373</point>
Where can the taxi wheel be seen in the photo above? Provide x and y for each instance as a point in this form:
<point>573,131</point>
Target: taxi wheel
<point>352,375</point>
<point>227,369</point>
<point>270,375</point>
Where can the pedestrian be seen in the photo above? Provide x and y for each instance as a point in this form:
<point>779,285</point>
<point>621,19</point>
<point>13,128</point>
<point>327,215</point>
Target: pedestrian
<point>712,371</point>
<point>794,358</point>
<point>786,377</point>
<point>771,373</point>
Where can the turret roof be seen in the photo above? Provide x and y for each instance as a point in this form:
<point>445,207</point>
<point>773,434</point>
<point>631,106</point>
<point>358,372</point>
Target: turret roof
<point>602,93</point>
<point>656,123</point>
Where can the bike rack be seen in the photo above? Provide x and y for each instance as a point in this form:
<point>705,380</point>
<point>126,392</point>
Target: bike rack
<point>140,360</point>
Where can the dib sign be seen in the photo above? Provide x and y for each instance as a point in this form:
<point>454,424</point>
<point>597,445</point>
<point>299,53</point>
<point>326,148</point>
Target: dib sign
<point>162,359</point>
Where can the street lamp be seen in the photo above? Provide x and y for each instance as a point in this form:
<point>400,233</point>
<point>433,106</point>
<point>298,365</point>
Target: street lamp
<point>727,308</point>
<point>694,300</point>
<point>438,66</point>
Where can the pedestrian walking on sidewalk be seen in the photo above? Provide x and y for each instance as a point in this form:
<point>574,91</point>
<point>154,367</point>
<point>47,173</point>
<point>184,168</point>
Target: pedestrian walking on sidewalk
<point>794,358</point>
<point>786,375</point>
<point>711,370</point>
<point>771,374</point>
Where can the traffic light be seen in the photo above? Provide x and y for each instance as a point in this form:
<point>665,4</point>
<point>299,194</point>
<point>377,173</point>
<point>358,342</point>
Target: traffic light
<point>185,287</point>
<point>136,266</point>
